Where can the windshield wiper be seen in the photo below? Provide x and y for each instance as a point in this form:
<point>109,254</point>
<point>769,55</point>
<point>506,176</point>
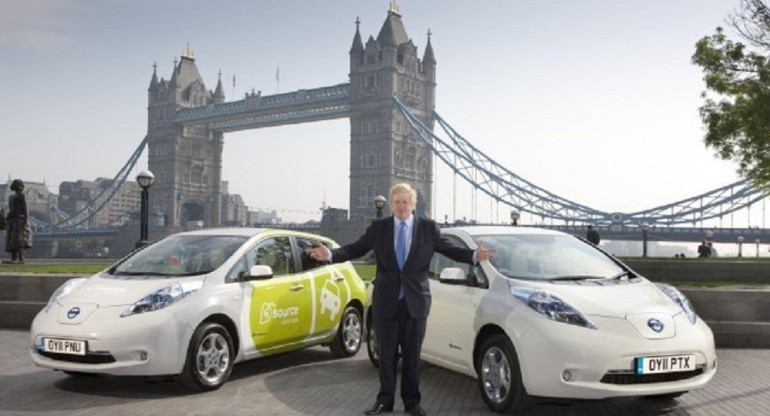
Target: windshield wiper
<point>574,278</point>
<point>141,274</point>
<point>621,274</point>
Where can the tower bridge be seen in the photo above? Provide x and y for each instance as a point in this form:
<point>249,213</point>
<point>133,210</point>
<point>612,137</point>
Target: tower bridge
<point>389,98</point>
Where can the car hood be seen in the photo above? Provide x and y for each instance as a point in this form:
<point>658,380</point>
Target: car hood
<point>108,291</point>
<point>614,300</point>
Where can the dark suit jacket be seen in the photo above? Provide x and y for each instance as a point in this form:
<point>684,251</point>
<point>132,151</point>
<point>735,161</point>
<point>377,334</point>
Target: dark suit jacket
<point>426,239</point>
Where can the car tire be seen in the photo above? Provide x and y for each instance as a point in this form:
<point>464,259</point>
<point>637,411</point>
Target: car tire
<point>372,348</point>
<point>209,358</point>
<point>499,376</point>
<point>347,342</point>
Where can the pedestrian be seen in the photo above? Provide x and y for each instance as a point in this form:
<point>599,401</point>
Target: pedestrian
<point>704,250</point>
<point>712,249</point>
<point>403,245</point>
<point>592,235</point>
<point>18,235</point>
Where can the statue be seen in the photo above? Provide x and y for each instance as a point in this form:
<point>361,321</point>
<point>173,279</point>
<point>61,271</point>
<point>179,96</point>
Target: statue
<point>18,234</point>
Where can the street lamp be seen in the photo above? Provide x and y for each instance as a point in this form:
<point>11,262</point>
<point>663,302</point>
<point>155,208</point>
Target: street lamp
<point>515,217</point>
<point>757,243</point>
<point>740,246</point>
<point>379,203</point>
<point>145,179</point>
<point>645,230</point>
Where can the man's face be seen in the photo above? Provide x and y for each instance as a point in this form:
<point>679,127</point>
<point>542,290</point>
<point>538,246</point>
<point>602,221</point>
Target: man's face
<point>401,205</point>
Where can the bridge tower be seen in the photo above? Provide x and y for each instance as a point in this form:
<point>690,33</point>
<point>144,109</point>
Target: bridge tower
<point>185,159</point>
<point>383,149</point>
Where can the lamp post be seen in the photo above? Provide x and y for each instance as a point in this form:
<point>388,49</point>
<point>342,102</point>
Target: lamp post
<point>740,246</point>
<point>645,230</point>
<point>515,217</point>
<point>379,203</point>
<point>757,243</point>
<point>145,179</point>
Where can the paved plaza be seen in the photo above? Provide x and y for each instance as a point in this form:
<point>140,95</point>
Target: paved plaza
<point>310,382</point>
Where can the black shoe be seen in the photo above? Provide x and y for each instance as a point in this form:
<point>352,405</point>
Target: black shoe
<point>379,409</point>
<point>415,410</point>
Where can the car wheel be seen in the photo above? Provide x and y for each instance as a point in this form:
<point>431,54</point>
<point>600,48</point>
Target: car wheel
<point>209,358</point>
<point>372,347</point>
<point>347,342</point>
<point>499,376</point>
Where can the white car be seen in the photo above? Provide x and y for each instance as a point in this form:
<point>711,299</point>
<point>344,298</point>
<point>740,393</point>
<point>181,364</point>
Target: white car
<point>195,303</point>
<point>551,315</point>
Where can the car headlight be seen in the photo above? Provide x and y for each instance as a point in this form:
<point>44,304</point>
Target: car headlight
<point>552,307</point>
<point>64,290</point>
<point>163,298</point>
<point>680,299</point>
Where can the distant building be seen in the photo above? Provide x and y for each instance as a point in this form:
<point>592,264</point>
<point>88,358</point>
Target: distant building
<point>263,217</point>
<point>74,196</point>
<point>334,215</point>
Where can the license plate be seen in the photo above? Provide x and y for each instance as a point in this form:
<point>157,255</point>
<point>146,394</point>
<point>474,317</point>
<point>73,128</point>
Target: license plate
<point>63,346</point>
<point>668,364</point>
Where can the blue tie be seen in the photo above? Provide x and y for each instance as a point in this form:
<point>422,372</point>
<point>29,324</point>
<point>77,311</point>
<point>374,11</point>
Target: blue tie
<point>401,252</point>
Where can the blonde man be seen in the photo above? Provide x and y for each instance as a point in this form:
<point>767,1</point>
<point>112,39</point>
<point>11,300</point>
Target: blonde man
<point>403,245</point>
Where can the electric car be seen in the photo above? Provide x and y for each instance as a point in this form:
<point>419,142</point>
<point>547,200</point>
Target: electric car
<point>551,315</point>
<point>195,303</point>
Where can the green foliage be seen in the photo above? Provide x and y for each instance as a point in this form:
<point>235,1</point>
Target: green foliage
<point>736,109</point>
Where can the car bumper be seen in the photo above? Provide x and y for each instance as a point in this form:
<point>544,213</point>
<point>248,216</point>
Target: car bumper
<point>601,362</point>
<point>152,343</point>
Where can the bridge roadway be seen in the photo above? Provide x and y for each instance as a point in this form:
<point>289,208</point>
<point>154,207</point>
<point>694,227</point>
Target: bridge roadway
<point>310,382</point>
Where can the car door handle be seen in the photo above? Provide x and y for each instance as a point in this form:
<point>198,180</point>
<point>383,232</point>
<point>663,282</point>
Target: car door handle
<point>297,288</point>
<point>339,279</point>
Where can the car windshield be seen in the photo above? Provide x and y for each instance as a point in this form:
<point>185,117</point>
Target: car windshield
<point>548,257</point>
<point>180,255</point>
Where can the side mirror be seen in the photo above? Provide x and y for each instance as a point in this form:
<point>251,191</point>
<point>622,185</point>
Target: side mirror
<point>453,276</point>
<point>258,272</point>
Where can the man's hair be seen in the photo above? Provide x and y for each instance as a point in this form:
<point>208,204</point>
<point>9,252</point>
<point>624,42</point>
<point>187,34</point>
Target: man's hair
<point>404,188</point>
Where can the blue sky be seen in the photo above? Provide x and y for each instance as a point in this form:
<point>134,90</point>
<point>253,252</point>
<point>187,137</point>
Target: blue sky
<point>594,100</point>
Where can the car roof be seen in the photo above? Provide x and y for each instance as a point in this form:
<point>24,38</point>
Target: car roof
<point>234,231</point>
<point>251,232</point>
<point>500,230</point>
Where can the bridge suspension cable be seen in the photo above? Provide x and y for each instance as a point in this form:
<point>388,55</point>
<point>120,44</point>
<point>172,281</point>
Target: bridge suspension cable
<point>503,185</point>
<point>104,197</point>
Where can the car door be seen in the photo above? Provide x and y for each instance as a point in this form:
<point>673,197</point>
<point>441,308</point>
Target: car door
<point>450,334</point>
<point>329,292</point>
<point>279,313</point>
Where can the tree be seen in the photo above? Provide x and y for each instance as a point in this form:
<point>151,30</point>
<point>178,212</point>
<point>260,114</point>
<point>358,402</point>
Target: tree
<point>736,109</point>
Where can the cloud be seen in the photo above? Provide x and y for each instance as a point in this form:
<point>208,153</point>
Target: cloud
<point>37,24</point>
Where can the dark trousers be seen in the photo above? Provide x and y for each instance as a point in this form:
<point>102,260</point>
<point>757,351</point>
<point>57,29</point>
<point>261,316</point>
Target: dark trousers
<point>407,332</point>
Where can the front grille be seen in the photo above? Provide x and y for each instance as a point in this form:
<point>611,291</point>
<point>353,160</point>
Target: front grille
<point>82,359</point>
<point>614,378</point>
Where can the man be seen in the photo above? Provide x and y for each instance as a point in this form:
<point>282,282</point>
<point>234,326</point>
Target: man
<point>403,246</point>
<point>592,235</point>
<point>704,250</point>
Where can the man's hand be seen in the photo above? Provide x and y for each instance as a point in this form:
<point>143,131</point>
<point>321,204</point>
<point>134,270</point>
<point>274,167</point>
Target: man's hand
<point>483,254</point>
<point>319,252</point>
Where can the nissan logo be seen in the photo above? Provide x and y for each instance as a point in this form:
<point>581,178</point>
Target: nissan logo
<point>655,325</point>
<point>73,312</point>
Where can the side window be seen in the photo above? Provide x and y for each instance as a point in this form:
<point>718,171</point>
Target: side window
<point>274,252</point>
<point>308,263</point>
<point>440,262</point>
